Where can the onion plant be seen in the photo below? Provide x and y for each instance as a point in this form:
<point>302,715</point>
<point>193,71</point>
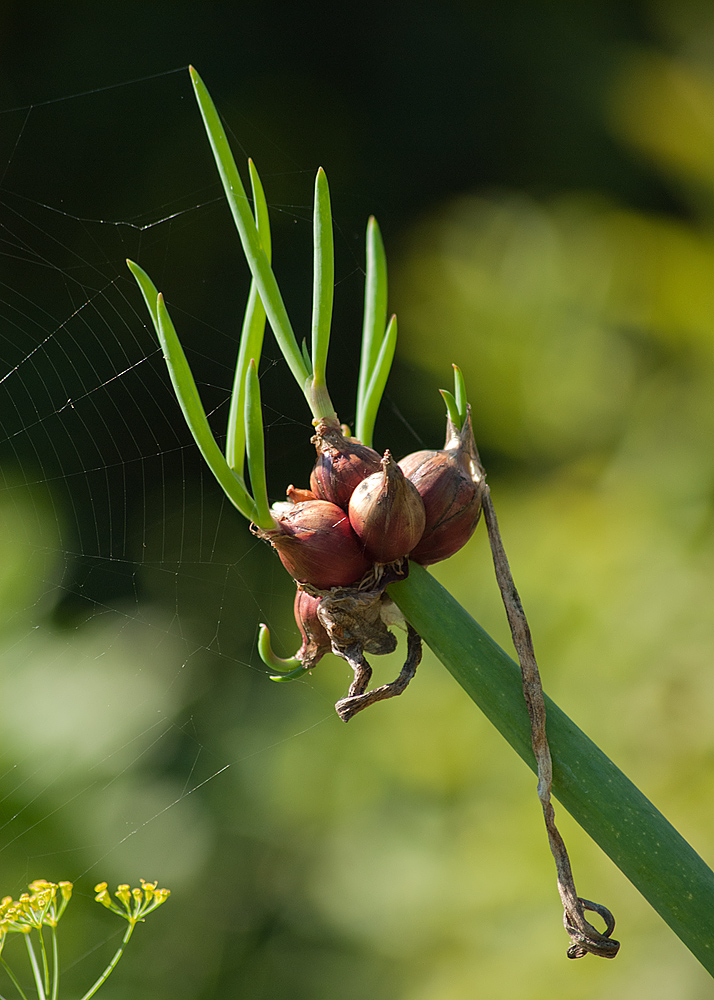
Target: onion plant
<point>648,850</point>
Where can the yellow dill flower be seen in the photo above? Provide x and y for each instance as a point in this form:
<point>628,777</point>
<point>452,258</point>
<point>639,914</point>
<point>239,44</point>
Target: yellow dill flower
<point>136,903</point>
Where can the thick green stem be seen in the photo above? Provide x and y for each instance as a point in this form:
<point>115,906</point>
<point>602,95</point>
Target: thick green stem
<point>638,838</point>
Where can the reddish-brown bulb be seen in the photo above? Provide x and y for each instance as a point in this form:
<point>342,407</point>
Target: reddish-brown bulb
<point>315,640</point>
<point>450,483</point>
<point>317,545</point>
<point>342,463</point>
<point>387,513</point>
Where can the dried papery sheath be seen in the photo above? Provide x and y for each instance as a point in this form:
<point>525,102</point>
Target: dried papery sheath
<point>315,640</point>
<point>316,544</point>
<point>297,495</point>
<point>387,513</point>
<point>450,483</point>
<point>342,463</point>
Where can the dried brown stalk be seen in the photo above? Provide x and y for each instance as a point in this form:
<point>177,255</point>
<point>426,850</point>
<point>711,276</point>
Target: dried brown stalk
<point>585,938</point>
<point>357,620</point>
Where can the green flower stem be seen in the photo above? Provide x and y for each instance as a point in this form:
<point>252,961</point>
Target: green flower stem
<point>45,962</point>
<point>251,338</point>
<point>375,389</point>
<point>256,447</point>
<point>55,964</point>
<point>375,321</point>
<point>323,280</point>
<point>112,965</point>
<point>35,969</point>
<point>638,838</point>
<point>14,979</point>
<point>189,399</point>
<point>254,251</point>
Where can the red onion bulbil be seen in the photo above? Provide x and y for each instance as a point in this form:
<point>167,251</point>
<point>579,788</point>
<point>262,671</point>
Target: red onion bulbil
<point>317,545</point>
<point>387,513</point>
<point>450,484</point>
<point>315,640</point>
<point>342,463</point>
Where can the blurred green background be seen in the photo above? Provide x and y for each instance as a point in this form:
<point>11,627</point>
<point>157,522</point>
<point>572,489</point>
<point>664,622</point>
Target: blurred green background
<point>544,178</point>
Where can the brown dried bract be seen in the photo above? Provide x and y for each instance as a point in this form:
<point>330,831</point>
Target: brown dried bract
<point>357,619</point>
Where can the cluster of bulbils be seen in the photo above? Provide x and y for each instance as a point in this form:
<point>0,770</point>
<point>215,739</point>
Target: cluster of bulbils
<point>355,530</point>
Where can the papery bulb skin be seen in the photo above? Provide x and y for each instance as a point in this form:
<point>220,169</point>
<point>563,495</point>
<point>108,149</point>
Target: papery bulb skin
<point>315,640</point>
<point>342,463</point>
<point>317,545</point>
<point>450,483</point>
<point>387,513</point>
<point>297,495</point>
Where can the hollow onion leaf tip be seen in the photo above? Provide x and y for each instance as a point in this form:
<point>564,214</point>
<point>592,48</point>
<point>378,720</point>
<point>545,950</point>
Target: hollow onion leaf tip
<point>253,248</point>
<point>375,311</point>
<point>373,395</point>
<point>460,394</point>
<point>323,278</point>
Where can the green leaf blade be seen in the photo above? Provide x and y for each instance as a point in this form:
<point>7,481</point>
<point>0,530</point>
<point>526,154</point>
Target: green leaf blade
<point>323,279</point>
<point>187,395</point>
<point>251,340</point>
<point>195,415</point>
<point>245,224</point>
<point>373,395</point>
<point>375,312</point>
<point>255,441</point>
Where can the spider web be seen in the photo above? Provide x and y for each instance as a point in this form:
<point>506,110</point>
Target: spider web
<point>133,588</point>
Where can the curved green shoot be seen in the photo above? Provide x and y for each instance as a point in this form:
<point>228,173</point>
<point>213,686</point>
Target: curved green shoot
<point>291,675</point>
<point>452,408</point>
<point>456,403</point>
<point>375,317</point>
<point>375,388</point>
<point>323,280</point>
<point>626,825</point>
<point>256,447</point>
<point>287,669</point>
<point>188,397</point>
<point>255,252</point>
<point>251,338</point>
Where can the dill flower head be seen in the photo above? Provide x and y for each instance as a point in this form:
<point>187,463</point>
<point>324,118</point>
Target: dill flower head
<point>43,904</point>
<point>135,903</point>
